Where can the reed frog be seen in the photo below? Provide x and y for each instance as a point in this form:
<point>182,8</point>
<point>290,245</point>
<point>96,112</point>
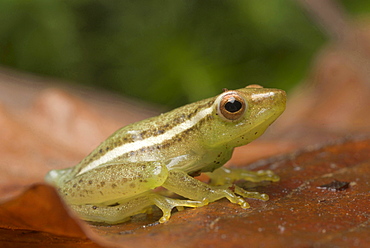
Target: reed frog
<point>117,179</point>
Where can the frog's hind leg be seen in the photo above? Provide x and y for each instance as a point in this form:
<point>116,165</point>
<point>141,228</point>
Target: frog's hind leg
<point>224,175</point>
<point>115,213</point>
<point>123,210</point>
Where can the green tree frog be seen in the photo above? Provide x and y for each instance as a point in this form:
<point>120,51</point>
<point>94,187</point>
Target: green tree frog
<point>117,179</point>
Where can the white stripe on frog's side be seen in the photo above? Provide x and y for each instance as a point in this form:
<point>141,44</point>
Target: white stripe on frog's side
<point>151,141</point>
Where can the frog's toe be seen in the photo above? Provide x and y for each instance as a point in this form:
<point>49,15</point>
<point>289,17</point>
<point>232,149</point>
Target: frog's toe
<point>264,197</point>
<point>247,194</point>
<point>205,201</point>
<point>267,175</point>
<point>165,217</point>
<point>243,203</point>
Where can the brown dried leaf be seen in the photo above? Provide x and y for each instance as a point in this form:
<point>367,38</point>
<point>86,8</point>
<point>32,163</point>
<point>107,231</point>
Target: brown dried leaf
<point>38,217</point>
<point>297,213</point>
<point>39,209</point>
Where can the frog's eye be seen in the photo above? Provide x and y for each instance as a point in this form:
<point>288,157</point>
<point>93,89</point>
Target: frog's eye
<point>231,106</point>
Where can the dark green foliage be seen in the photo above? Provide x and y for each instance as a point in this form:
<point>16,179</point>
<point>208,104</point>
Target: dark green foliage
<point>166,51</point>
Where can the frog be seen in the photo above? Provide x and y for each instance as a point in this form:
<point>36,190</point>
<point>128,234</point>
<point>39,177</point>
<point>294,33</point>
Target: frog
<point>121,177</point>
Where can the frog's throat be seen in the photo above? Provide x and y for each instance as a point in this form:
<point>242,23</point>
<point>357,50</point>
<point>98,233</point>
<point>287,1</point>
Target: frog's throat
<point>150,141</point>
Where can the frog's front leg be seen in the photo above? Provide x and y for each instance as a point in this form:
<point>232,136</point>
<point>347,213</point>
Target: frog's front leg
<point>183,184</point>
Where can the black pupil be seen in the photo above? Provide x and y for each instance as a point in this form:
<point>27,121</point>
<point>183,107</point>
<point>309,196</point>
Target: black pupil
<point>233,106</point>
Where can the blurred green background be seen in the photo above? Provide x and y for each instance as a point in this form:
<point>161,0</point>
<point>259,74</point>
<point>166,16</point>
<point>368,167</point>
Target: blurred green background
<point>165,51</point>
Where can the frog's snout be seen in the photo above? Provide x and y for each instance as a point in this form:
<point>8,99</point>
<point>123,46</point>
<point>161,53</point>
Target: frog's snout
<point>281,95</point>
<point>270,97</point>
<point>280,98</point>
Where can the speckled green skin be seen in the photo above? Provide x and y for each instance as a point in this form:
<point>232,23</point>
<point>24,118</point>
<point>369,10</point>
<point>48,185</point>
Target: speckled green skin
<point>116,180</point>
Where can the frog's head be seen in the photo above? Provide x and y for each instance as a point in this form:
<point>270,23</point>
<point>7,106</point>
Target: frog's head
<point>241,116</point>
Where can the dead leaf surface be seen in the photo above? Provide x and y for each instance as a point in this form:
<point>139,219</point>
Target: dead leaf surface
<point>299,213</point>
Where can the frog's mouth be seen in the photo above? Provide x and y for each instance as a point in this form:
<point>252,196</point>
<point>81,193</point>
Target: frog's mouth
<point>256,131</point>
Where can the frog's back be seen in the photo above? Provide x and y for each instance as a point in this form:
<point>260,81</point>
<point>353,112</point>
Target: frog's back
<point>149,138</point>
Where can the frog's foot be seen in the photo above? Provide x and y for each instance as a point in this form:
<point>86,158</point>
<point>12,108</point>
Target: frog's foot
<point>249,194</point>
<point>228,192</point>
<point>167,204</point>
<point>224,175</point>
<point>233,193</point>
